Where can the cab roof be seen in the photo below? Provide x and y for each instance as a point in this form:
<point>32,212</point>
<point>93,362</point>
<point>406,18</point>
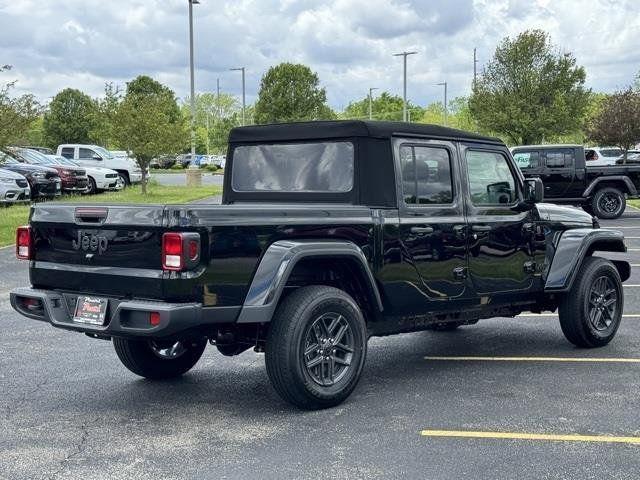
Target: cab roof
<point>346,129</point>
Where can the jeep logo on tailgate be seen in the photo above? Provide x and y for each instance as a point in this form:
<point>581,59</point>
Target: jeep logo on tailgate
<point>90,242</point>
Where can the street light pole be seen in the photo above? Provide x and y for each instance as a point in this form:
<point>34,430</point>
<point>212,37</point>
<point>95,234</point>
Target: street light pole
<point>241,69</point>
<point>193,99</point>
<point>445,100</point>
<point>370,101</point>
<point>475,71</point>
<point>404,90</point>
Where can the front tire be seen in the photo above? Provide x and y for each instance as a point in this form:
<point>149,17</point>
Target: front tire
<point>92,190</point>
<point>158,360</point>
<point>591,312</point>
<point>316,347</point>
<point>124,179</point>
<point>608,203</point>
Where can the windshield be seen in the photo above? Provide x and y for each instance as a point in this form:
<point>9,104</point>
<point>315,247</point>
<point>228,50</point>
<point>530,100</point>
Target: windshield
<point>104,153</point>
<point>64,161</point>
<point>6,159</point>
<point>33,157</point>
<point>301,167</point>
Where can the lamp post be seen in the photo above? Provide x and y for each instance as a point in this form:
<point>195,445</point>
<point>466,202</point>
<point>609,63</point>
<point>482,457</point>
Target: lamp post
<point>404,90</point>
<point>445,100</point>
<point>370,101</point>
<point>193,99</point>
<point>241,69</point>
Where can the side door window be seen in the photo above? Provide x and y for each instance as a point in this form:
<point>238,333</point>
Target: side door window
<point>560,171</point>
<point>491,181</point>
<point>67,152</point>
<point>527,160</point>
<point>86,154</point>
<point>426,175</point>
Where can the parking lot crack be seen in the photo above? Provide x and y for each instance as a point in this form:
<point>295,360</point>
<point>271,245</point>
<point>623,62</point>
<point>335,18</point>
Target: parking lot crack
<point>77,450</point>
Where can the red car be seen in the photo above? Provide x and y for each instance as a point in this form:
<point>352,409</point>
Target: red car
<point>74,179</point>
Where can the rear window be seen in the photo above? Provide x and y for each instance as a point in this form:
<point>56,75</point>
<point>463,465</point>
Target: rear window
<point>559,158</point>
<point>294,167</point>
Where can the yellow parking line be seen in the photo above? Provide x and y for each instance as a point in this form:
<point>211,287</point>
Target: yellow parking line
<point>534,359</point>
<point>530,436</point>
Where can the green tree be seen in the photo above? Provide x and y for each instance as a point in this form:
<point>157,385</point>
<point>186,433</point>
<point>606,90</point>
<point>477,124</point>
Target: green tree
<point>70,118</point>
<point>458,115</point>
<point>149,123</point>
<point>383,107</point>
<point>17,115</point>
<point>291,92</point>
<point>529,92</point>
<point>215,117</point>
<point>618,123</point>
<point>104,124</point>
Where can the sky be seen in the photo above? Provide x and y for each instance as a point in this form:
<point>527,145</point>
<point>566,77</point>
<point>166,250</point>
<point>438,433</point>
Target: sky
<point>54,44</point>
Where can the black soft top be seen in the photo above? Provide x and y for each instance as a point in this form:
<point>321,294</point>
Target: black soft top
<point>346,129</point>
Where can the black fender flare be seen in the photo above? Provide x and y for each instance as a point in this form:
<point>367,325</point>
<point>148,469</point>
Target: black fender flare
<point>277,264</point>
<point>572,248</point>
<point>631,188</point>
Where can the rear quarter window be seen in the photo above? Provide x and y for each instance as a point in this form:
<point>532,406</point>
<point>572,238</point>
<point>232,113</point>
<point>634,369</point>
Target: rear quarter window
<point>319,167</point>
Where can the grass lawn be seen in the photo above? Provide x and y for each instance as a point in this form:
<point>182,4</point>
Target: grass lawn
<point>12,217</point>
<point>634,203</point>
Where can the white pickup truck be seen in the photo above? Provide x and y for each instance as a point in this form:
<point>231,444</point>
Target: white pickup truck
<point>96,156</point>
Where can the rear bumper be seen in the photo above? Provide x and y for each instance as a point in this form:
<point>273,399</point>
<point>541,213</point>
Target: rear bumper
<point>125,318</point>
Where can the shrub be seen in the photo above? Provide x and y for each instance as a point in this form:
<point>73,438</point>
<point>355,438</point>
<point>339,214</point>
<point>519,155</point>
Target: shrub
<point>176,166</point>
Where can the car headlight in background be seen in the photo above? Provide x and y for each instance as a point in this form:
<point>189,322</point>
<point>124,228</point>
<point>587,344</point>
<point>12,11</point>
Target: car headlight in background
<point>39,175</point>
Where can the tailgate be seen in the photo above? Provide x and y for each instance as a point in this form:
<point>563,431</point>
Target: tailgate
<point>114,250</point>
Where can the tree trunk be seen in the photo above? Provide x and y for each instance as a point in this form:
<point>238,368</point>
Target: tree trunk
<point>144,181</point>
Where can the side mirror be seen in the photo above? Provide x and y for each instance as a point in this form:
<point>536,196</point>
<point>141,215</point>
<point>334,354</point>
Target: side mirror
<point>95,156</point>
<point>533,190</point>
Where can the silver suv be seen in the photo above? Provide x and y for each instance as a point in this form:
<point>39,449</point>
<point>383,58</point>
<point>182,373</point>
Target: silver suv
<point>14,187</point>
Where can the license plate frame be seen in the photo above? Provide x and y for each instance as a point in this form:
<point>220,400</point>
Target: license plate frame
<point>90,310</point>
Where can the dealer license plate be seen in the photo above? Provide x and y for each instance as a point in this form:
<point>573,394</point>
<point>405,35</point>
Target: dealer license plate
<point>91,310</point>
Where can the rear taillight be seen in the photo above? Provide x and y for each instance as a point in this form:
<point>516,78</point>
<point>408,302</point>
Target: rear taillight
<point>180,251</point>
<point>24,248</point>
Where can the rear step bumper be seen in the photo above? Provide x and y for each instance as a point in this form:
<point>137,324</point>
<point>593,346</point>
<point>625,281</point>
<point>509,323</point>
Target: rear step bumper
<point>125,318</point>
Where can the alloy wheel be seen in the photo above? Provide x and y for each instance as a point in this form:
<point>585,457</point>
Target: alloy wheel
<point>603,303</point>
<point>328,349</point>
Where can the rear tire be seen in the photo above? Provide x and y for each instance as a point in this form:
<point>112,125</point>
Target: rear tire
<point>591,312</point>
<point>154,360</point>
<point>608,203</point>
<point>316,347</point>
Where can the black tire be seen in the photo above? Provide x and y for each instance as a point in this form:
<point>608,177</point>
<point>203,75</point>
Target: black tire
<point>580,321</point>
<point>92,187</point>
<point>124,178</point>
<point>142,357</point>
<point>298,322</point>
<point>608,203</point>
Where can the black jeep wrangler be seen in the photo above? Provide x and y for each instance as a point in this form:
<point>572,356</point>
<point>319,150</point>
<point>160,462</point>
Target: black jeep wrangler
<point>329,233</point>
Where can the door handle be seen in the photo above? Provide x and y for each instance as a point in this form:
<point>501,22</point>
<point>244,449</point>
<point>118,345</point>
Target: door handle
<point>481,228</point>
<point>421,230</point>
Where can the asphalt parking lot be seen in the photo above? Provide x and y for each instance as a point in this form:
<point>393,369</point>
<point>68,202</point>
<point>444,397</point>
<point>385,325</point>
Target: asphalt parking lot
<point>69,409</point>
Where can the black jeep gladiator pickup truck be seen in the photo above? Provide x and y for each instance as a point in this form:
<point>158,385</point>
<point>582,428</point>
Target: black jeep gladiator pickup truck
<point>328,233</point>
<point>600,190</point>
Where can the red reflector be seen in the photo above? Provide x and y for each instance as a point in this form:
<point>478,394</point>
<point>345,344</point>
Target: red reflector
<point>23,243</point>
<point>154,319</point>
<point>194,249</point>
<point>172,251</point>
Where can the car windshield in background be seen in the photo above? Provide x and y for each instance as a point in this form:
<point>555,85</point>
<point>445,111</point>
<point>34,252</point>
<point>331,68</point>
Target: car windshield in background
<point>104,153</point>
<point>33,157</point>
<point>611,152</point>
<point>6,159</point>
<point>300,167</point>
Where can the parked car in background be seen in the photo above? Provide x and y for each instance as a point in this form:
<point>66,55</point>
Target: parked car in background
<point>601,191</point>
<point>14,187</point>
<point>99,178</point>
<point>186,160</point>
<point>96,156</point>
<point>74,179</point>
<point>45,150</point>
<point>219,160</point>
<point>44,182</point>
<point>163,161</point>
<point>601,156</point>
